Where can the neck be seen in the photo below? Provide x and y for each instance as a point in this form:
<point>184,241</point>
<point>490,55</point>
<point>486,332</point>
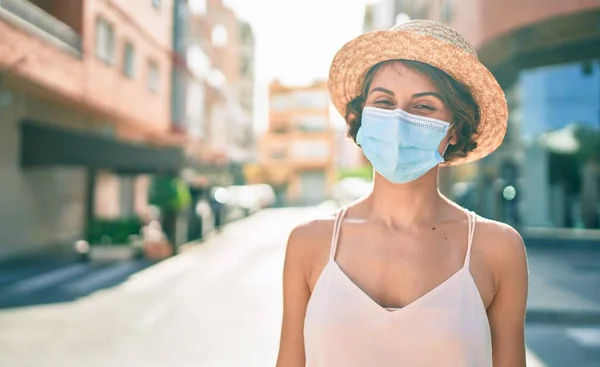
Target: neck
<point>406,205</point>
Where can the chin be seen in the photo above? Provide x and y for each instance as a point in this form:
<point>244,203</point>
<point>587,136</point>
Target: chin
<point>429,175</point>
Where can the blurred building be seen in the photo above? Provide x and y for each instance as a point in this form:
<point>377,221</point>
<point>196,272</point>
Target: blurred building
<point>190,102</point>
<point>221,56</point>
<point>84,112</point>
<point>296,154</point>
<point>183,80</point>
<point>348,155</point>
<point>246,86</point>
<point>383,14</point>
<point>546,56</point>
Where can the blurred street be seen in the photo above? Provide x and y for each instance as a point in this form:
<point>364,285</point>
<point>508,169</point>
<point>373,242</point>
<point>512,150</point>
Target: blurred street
<point>154,158</point>
<point>563,309</point>
<point>219,304</point>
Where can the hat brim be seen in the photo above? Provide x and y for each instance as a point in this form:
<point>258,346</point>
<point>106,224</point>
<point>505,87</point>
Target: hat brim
<point>352,62</point>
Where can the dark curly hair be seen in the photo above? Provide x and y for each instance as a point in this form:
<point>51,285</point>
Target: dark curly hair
<point>455,95</point>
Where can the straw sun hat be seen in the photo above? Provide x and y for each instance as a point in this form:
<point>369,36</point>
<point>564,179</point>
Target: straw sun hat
<point>435,44</point>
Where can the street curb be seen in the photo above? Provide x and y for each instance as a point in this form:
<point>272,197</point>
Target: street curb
<point>562,244</point>
<point>561,238</point>
<point>562,317</point>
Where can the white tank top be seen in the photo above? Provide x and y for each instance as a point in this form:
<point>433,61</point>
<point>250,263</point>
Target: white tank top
<point>447,327</point>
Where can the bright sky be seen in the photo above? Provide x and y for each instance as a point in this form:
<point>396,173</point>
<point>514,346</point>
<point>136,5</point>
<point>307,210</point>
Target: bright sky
<point>296,39</point>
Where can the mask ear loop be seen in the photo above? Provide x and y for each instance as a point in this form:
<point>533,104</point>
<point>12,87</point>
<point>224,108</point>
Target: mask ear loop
<point>445,149</point>
<point>447,143</point>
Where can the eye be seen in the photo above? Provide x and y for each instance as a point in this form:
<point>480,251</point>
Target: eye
<point>424,107</point>
<point>385,102</point>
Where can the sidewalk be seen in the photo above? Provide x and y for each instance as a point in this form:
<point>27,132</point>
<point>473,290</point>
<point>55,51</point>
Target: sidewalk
<point>15,267</point>
<point>561,238</point>
<point>564,285</point>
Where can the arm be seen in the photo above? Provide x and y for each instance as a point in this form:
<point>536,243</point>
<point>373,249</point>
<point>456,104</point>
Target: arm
<point>507,311</point>
<point>296,294</point>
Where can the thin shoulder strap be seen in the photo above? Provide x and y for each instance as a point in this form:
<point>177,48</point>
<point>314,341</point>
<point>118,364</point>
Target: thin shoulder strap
<point>336,232</point>
<point>472,220</point>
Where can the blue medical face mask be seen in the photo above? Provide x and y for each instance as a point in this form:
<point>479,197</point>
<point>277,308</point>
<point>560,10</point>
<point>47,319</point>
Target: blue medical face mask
<point>401,146</point>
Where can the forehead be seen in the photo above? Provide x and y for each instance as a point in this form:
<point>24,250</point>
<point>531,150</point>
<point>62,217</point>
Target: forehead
<point>397,77</point>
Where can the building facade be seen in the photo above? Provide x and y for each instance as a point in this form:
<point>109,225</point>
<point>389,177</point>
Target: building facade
<point>348,154</point>
<point>546,56</point>
<point>296,154</point>
<point>84,115</point>
<point>181,77</point>
<point>222,58</point>
<point>246,85</point>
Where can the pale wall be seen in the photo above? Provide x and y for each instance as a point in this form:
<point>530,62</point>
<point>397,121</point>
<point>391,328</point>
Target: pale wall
<point>38,207</point>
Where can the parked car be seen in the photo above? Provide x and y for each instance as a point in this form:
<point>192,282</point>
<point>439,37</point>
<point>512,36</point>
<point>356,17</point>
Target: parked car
<point>266,195</point>
<point>243,199</point>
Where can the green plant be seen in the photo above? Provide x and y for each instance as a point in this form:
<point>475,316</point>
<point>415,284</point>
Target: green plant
<point>116,231</point>
<point>365,172</point>
<point>169,193</point>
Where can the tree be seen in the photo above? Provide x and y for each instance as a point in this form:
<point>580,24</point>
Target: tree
<point>171,195</point>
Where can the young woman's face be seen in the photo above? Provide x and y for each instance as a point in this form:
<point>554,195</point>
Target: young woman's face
<point>395,85</point>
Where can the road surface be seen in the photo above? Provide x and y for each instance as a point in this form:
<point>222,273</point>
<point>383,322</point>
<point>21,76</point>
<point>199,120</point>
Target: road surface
<point>216,305</point>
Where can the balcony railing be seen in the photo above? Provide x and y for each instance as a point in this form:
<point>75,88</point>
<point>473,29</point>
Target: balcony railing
<point>26,14</point>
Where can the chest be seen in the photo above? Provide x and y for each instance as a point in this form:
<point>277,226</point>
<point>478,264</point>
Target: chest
<point>395,270</point>
<point>428,331</point>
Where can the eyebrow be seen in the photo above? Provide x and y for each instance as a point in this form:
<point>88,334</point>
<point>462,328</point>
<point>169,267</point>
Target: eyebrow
<point>380,89</point>
<point>434,94</point>
<point>416,95</point>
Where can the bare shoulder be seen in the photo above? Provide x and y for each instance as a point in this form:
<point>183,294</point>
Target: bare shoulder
<point>499,239</point>
<point>501,245</point>
<point>308,243</point>
<point>310,233</point>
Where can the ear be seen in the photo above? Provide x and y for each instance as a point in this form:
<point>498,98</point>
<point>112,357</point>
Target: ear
<point>452,136</point>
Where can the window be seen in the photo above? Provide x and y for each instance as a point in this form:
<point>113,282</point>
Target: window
<point>219,36</point>
<point>105,41</point>
<point>153,76</point>
<point>198,62</point>
<point>310,149</point>
<point>198,6</point>
<point>216,78</point>
<point>278,153</point>
<point>313,99</point>
<point>129,60</point>
<point>555,129</point>
<point>279,127</point>
<point>311,123</point>
<point>280,103</point>
<point>156,4</point>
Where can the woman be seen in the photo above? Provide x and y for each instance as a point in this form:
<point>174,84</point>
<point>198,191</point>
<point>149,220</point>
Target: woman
<point>405,277</point>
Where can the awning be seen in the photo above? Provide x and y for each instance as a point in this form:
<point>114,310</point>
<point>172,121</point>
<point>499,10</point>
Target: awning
<point>46,145</point>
